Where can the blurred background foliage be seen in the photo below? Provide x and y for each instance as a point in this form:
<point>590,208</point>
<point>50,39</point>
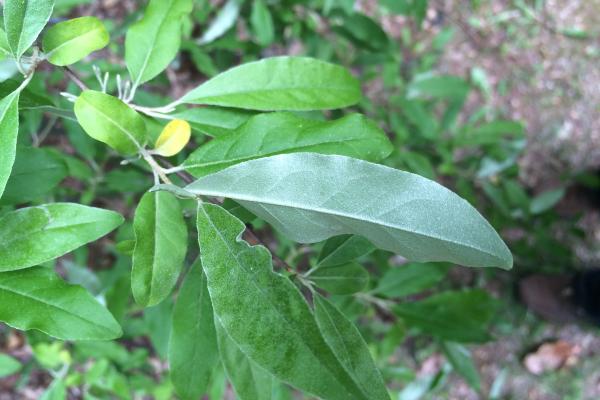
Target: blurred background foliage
<point>496,99</point>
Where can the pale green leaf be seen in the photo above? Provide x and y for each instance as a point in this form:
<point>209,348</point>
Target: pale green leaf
<point>160,247</point>
<point>259,308</point>
<point>34,235</point>
<point>280,83</point>
<point>462,362</point>
<point>461,316</point>
<point>276,133</point>
<point>261,22</point>
<point>109,120</point>
<point>311,197</point>
<point>340,279</point>
<point>249,381</point>
<point>8,366</point>
<point>153,42</point>
<point>36,298</point>
<point>70,41</point>
<point>410,279</point>
<point>193,354</point>
<point>23,21</point>
<point>9,129</point>
<point>546,200</point>
<point>224,21</point>
<point>350,348</point>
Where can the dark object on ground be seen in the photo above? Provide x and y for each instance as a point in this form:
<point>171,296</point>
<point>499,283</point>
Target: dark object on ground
<point>563,298</point>
<point>587,293</point>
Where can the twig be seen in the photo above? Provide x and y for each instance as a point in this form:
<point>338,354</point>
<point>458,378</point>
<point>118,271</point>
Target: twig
<point>73,76</point>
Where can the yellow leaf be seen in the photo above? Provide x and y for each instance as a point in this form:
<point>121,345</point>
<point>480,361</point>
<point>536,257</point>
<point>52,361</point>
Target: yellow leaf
<point>173,138</point>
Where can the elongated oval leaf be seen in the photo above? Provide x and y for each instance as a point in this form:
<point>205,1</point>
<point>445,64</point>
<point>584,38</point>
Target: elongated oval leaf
<point>173,138</point>
<point>34,235</point>
<point>36,172</point>
<point>259,308</point>
<point>277,133</point>
<point>311,197</point>
<point>349,347</point>
<point>109,120</point>
<point>23,21</point>
<point>36,298</point>
<point>152,43</point>
<point>160,247</point>
<point>9,129</point>
<point>341,279</point>
<point>250,381</point>
<point>193,351</point>
<point>70,41</point>
<point>280,83</point>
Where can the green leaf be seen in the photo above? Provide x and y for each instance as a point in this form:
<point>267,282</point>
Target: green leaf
<point>9,129</point>
<point>23,21</point>
<point>36,172</point>
<point>280,83</point>
<point>250,381</point>
<point>311,197</point>
<point>109,120</point>
<point>153,42</point>
<point>261,22</point>
<point>160,247</point>
<point>546,200</point>
<point>259,308</point>
<point>56,391</point>
<point>8,366</point>
<point>343,249</point>
<point>340,279</point>
<point>193,351</point>
<point>36,298</point>
<point>455,316</point>
<point>462,362</point>
<point>276,133</point>
<point>214,121</point>
<point>349,348</point>
<point>410,279</point>
<point>34,235</point>
<point>70,41</point>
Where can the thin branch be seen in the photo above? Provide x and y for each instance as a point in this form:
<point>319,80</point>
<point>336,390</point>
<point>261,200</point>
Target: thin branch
<point>73,76</point>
